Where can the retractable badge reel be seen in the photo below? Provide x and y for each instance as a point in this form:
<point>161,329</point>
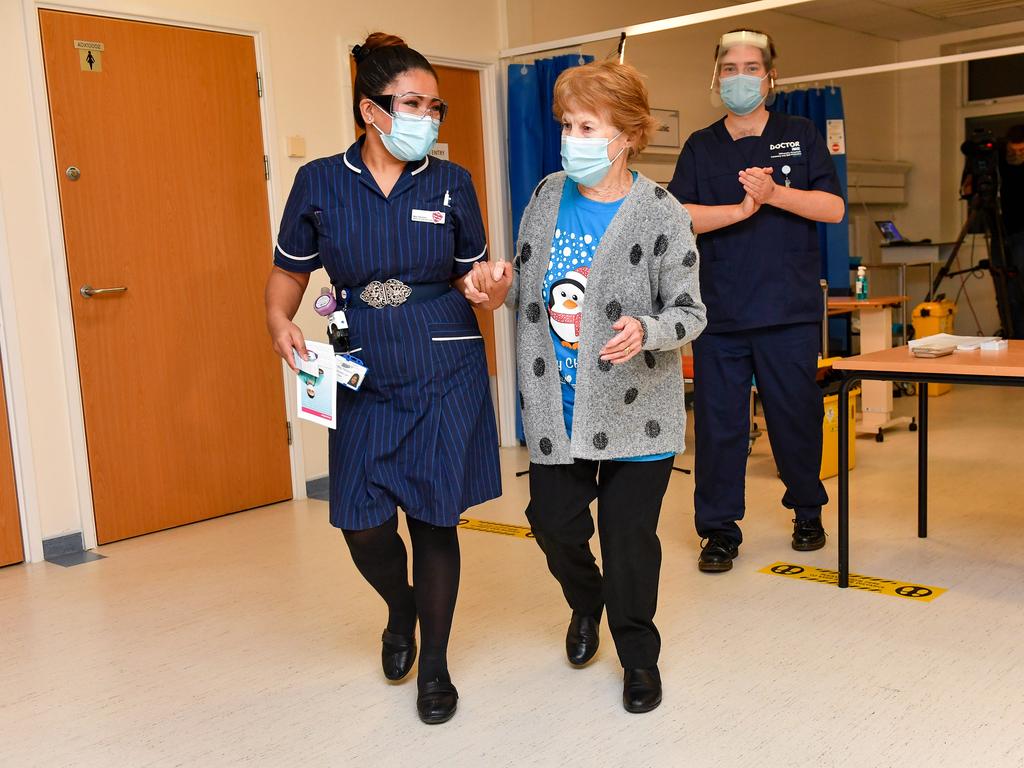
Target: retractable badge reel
<point>350,370</point>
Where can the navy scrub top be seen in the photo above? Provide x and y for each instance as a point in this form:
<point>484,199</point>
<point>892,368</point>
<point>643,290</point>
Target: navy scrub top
<point>764,271</point>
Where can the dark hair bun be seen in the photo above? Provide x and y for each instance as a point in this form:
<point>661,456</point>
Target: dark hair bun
<point>379,60</point>
<point>374,42</point>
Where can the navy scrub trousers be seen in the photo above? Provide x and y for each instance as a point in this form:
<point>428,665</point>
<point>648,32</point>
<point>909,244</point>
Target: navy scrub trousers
<point>420,434</point>
<point>759,280</point>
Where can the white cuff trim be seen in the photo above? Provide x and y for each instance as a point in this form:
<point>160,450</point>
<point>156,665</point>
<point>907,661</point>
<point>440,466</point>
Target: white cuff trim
<point>296,258</point>
<point>475,258</point>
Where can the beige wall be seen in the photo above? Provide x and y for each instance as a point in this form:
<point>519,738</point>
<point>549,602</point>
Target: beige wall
<point>679,63</point>
<point>931,128</point>
<point>304,42</point>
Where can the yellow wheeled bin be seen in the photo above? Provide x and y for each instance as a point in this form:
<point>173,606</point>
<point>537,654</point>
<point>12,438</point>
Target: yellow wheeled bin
<point>830,434</point>
<point>929,318</point>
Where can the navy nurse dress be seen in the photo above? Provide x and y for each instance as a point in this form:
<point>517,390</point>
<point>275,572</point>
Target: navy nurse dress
<point>420,434</point>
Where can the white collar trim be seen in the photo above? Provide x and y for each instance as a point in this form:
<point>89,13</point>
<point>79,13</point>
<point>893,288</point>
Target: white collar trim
<point>350,166</point>
<point>426,162</point>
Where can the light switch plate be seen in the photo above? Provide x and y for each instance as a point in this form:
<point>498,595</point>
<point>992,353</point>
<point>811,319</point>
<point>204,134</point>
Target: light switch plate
<point>296,146</point>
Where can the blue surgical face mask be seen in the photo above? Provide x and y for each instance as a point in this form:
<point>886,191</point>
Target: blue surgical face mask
<point>585,161</point>
<point>411,137</point>
<point>741,94</point>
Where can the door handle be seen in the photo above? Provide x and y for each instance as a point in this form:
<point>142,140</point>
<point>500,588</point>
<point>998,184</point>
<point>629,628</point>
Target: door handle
<point>88,291</point>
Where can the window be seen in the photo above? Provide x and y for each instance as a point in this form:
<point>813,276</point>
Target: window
<point>996,78</point>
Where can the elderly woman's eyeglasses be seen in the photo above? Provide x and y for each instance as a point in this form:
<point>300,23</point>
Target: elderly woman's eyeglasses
<point>419,105</point>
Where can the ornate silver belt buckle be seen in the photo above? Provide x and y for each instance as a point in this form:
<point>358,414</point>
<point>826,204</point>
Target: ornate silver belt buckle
<point>392,293</point>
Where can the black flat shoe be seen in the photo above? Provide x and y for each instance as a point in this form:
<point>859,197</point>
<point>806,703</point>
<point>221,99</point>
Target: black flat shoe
<point>582,639</point>
<point>808,535</point>
<point>641,690</point>
<point>716,554</point>
<point>437,702</point>
<point>397,654</point>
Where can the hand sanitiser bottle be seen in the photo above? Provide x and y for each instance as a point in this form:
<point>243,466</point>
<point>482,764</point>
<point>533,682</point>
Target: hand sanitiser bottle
<point>861,289</point>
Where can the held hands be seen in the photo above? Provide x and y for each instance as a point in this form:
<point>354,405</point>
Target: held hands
<point>488,284</point>
<point>287,336</point>
<point>627,344</point>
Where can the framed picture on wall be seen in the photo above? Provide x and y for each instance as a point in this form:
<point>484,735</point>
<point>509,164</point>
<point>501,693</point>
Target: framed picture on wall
<point>666,134</point>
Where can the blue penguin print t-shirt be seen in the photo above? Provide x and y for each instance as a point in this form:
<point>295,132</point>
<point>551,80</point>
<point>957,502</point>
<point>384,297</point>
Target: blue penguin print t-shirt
<point>581,225</point>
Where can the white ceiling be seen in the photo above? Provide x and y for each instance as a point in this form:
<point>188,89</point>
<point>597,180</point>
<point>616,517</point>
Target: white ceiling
<point>909,19</point>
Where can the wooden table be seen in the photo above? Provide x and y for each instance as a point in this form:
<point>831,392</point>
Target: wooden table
<point>998,368</point>
<point>875,335</point>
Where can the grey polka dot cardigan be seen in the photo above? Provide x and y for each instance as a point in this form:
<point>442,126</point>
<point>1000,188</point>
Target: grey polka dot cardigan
<point>645,266</point>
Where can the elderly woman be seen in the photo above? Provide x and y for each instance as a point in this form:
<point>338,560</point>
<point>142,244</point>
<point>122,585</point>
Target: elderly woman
<point>606,278</point>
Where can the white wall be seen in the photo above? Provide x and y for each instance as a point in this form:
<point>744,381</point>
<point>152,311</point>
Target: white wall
<point>308,78</point>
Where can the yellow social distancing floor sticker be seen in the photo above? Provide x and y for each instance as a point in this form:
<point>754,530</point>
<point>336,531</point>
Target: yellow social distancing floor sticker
<point>503,529</point>
<point>907,590</point>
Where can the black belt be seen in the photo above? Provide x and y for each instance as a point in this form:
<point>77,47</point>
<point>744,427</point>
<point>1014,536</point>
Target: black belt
<point>390,293</point>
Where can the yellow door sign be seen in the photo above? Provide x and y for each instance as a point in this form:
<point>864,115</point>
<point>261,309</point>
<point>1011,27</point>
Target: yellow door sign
<point>90,55</point>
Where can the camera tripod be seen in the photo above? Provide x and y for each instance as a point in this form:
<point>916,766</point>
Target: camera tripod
<point>983,217</point>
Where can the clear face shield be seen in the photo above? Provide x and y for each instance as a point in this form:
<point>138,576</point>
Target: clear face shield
<point>733,67</point>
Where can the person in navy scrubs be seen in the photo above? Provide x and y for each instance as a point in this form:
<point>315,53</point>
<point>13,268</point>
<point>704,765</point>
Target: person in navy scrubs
<point>755,183</point>
<point>398,232</point>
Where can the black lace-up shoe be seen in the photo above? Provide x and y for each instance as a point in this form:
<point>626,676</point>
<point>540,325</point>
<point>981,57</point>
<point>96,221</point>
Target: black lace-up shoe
<point>717,554</point>
<point>808,535</point>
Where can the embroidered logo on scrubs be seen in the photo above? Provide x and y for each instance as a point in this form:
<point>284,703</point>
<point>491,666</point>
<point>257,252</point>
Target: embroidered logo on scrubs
<point>428,217</point>
<point>785,149</point>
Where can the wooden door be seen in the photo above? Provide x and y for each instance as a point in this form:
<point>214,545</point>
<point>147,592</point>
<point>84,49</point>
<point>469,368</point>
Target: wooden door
<point>11,550</point>
<point>183,397</point>
<point>463,132</point>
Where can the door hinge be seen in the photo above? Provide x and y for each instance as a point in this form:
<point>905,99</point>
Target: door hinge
<point>259,85</point>
<point>289,426</point>
<point>266,167</point>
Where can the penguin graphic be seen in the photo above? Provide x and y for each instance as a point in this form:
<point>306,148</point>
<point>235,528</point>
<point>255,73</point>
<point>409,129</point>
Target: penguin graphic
<point>565,306</point>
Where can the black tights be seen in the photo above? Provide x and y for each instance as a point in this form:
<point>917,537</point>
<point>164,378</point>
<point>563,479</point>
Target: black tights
<point>379,554</point>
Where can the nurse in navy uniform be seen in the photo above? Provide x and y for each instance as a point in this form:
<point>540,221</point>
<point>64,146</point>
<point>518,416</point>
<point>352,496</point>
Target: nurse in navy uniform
<point>755,184</point>
<point>397,232</point>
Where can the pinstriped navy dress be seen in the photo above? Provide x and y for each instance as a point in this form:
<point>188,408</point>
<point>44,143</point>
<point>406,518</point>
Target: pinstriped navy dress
<point>420,433</point>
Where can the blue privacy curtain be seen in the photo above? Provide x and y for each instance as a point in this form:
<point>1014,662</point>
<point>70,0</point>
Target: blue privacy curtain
<point>534,143</point>
<point>823,106</point>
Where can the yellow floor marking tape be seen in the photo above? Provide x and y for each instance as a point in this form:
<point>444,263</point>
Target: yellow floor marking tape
<point>906,590</point>
<point>502,528</point>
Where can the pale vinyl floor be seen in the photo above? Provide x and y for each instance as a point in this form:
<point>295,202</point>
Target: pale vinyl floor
<point>252,640</point>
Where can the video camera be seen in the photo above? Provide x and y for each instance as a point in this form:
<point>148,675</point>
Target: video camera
<point>981,168</point>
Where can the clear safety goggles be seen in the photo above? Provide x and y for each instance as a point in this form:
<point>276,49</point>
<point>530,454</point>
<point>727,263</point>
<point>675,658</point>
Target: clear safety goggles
<point>418,105</point>
<point>731,40</point>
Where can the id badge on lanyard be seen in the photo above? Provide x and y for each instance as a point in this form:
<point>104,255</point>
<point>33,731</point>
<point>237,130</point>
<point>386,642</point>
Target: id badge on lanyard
<point>350,371</point>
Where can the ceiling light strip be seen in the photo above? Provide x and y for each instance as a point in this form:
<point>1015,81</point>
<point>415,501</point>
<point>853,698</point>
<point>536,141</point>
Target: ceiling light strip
<point>688,20</point>
<point>901,65</point>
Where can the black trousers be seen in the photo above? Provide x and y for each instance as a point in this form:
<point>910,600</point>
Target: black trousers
<point>629,496</point>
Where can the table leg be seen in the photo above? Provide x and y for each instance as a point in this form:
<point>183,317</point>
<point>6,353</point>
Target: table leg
<point>922,460</point>
<point>844,482</point>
